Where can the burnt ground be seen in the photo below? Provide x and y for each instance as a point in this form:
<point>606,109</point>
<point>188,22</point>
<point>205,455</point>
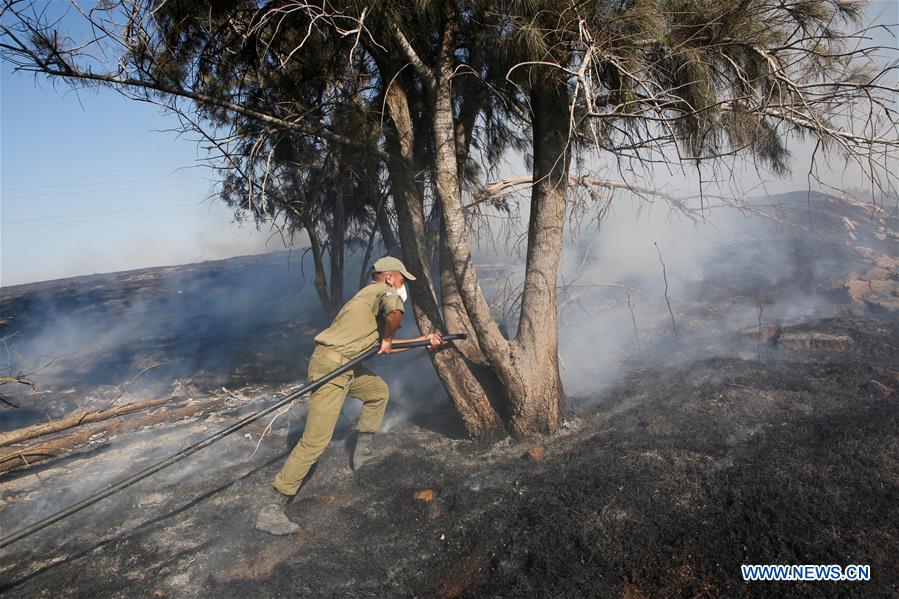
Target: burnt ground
<point>779,450</point>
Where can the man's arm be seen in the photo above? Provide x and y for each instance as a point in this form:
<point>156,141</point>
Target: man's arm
<point>392,325</point>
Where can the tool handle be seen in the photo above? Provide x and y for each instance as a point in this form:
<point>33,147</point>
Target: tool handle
<point>425,343</point>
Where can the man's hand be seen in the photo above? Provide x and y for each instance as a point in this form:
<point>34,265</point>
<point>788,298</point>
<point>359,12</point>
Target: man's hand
<point>436,340</point>
<point>386,346</point>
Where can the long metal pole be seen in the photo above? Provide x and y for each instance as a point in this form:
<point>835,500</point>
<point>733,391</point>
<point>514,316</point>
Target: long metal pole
<point>191,449</point>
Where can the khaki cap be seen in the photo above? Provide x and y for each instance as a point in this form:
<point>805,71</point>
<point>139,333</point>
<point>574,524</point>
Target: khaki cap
<point>388,263</point>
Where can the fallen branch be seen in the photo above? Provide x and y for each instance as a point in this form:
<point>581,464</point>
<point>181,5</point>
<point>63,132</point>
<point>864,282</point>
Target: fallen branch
<point>32,454</point>
<point>16,379</point>
<point>7,402</point>
<point>73,420</point>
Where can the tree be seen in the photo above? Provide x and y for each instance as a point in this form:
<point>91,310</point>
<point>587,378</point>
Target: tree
<point>331,191</point>
<point>335,194</point>
<point>445,86</point>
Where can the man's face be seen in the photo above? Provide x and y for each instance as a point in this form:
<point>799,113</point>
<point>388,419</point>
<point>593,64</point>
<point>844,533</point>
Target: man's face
<point>395,279</point>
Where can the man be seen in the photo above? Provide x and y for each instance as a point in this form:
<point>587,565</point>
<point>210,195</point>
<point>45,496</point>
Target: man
<point>372,314</point>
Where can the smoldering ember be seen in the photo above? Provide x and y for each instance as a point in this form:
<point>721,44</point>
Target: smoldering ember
<point>597,340</point>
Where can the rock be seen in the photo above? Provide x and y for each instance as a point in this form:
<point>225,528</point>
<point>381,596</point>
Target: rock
<point>425,495</point>
<point>880,388</point>
<point>767,333</point>
<point>535,454</point>
<point>814,341</point>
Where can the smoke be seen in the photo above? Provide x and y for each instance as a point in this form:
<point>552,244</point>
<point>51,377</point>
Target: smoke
<point>251,320</point>
<point>720,269</point>
<point>234,322</point>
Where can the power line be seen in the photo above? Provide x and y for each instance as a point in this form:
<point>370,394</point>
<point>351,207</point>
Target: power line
<point>43,218</point>
<point>116,175</point>
<point>99,219</point>
<point>110,180</point>
<point>26,227</point>
<point>97,191</point>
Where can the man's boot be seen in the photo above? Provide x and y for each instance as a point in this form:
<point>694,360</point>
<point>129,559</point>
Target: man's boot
<point>364,451</point>
<point>273,520</point>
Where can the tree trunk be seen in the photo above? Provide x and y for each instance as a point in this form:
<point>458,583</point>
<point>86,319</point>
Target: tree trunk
<point>527,368</point>
<point>387,236</point>
<point>338,233</point>
<point>489,338</point>
<point>518,379</point>
<point>456,372</point>
<point>453,309</point>
<point>321,282</point>
<point>535,349</point>
<point>364,274</point>
<point>457,321</point>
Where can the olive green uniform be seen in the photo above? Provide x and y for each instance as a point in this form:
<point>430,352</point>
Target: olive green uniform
<point>354,330</point>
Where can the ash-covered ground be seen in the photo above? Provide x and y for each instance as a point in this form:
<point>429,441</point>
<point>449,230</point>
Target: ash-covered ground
<point>763,431</point>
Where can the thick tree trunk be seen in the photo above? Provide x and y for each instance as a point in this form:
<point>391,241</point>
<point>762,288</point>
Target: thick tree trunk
<point>491,342</point>
<point>449,192</point>
<point>535,349</point>
<point>453,309</point>
<point>458,374</point>
<point>457,321</point>
<point>519,379</point>
<point>527,368</point>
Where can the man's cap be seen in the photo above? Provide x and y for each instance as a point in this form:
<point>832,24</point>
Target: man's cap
<point>388,263</point>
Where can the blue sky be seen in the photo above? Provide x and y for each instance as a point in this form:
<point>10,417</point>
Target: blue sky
<point>90,181</point>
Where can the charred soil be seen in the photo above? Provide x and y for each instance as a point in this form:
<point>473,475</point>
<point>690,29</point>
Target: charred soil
<point>664,488</point>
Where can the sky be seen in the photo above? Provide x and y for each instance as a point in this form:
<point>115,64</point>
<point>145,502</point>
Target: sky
<point>91,182</point>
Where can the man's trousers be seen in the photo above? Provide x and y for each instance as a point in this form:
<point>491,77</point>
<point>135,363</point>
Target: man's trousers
<point>324,410</point>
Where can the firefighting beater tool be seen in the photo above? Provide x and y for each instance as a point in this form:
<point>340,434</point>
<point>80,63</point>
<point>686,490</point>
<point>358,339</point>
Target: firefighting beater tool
<point>195,447</point>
